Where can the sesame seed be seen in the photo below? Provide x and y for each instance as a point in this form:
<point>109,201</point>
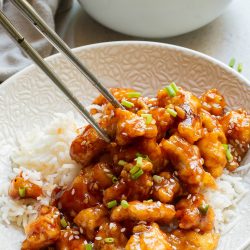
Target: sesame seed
<point>189,196</point>
<point>111,225</point>
<point>77,237</point>
<point>71,237</point>
<point>194,198</point>
<point>142,222</point>
<point>158,203</point>
<point>85,242</point>
<point>98,238</point>
<point>106,170</point>
<point>123,230</point>
<point>237,141</point>
<point>75,232</point>
<point>81,230</point>
<point>66,234</point>
<point>73,191</point>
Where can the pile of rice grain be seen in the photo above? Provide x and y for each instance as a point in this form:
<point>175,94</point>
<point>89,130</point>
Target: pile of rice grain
<point>43,158</point>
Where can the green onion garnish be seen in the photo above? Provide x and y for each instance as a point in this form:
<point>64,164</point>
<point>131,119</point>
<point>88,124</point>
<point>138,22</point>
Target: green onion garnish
<point>203,209</point>
<point>22,192</point>
<point>171,92</point>
<point>122,162</point>
<point>127,104</point>
<point>228,153</point>
<point>112,204</point>
<point>157,178</point>
<point>139,161</point>
<point>240,67</point>
<point>124,204</point>
<point>174,87</point>
<point>114,179</point>
<point>134,169</point>
<point>63,222</point>
<point>134,94</point>
<point>109,240</point>
<point>148,117</point>
<point>145,157</point>
<point>232,62</point>
<point>137,174</point>
<point>172,112</point>
<point>88,247</point>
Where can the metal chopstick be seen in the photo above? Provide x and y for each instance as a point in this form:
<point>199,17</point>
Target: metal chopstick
<point>41,25</point>
<point>33,54</point>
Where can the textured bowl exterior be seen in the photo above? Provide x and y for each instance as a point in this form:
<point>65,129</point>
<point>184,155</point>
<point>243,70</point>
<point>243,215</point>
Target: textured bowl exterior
<point>29,99</point>
<point>154,18</point>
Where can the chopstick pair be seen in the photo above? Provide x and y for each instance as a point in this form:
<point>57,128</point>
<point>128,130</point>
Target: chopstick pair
<point>55,40</point>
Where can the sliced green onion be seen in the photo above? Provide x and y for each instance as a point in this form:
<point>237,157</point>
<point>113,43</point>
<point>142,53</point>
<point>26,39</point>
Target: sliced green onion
<point>88,247</point>
<point>134,169</point>
<point>172,112</point>
<point>139,161</point>
<point>112,204</point>
<point>114,179</point>
<point>157,178</point>
<point>22,192</point>
<point>124,204</point>
<point>228,153</point>
<point>145,157</point>
<point>134,94</point>
<point>170,91</point>
<point>63,222</point>
<point>240,67</point>
<point>203,209</point>
<point>174,87</point>
<point>232,62</point>
<point>127,104</point>
<point>109,240</point>
<point>137,174</point>
<point>122,162</point>
<point>148,117</point>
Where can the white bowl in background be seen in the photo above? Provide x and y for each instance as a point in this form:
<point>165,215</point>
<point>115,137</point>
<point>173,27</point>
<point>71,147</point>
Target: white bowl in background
<point>154,18</point>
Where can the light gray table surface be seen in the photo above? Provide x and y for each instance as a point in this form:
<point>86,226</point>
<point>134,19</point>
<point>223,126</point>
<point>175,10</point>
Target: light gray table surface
<point>228,36</point>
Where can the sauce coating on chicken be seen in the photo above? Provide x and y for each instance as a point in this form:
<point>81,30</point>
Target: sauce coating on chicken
<point>144,190</point>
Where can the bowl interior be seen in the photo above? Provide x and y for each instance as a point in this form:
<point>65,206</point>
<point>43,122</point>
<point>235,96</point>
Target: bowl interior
<point>29,99</point>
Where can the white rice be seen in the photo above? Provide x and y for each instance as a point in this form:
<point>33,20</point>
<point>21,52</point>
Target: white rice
<point>43,158</point>
<point>225,201</point>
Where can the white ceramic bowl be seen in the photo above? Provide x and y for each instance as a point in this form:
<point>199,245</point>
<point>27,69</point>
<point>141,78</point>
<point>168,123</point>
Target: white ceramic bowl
<point>29,99</point>
<point>154,18</point>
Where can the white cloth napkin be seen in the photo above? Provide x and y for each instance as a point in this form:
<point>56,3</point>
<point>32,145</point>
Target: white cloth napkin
<point>12,59</point>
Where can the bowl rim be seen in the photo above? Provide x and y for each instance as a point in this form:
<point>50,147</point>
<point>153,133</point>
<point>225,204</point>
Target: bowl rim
<point>136,43</point>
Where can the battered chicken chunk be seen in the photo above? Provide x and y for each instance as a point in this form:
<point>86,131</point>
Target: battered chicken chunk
<point>144,211</point>
<point>128,188</point>
<point>191,240</point>
<point>213,102</point>
<point>236,125</point>
<point>82,193</point>
<point>185,158</point>
<point>166,187</point>
<point>90,219</point>
<point>110,236</point>
<point>23,189</point>
<point>193,213</point>
<point>70,239</point>
<point>130,126</point>
<point>148,237</point>
<point>213,153</point>
<point>86,146</point>
<point>44,230</point>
